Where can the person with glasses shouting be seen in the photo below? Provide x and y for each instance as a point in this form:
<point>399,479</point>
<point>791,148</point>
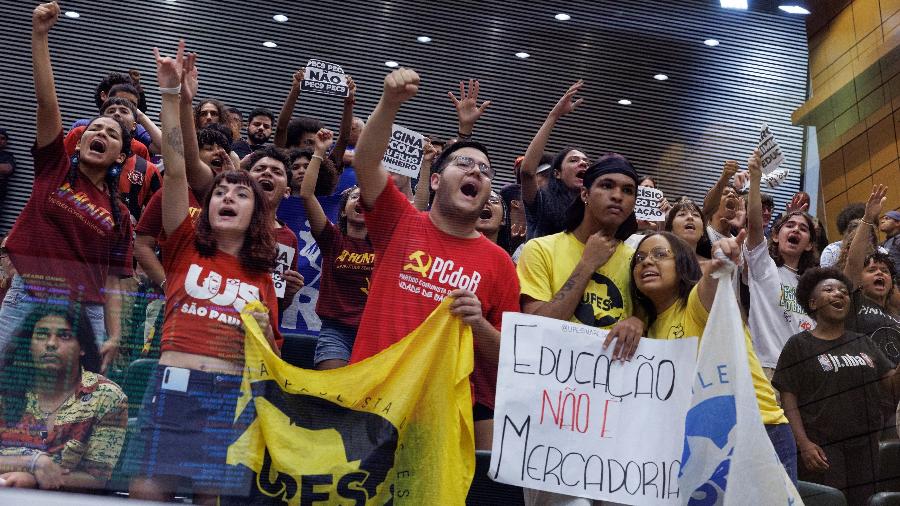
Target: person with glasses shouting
<point>676,294</point>
<point>423,257</point>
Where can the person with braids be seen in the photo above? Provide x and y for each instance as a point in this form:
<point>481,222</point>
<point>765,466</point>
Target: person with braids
<point>214,268</point>
<point>62,424</point>
<point>73,239</point>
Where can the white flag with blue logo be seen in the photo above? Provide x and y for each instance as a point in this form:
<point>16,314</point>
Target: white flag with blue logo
<point>728,457</point>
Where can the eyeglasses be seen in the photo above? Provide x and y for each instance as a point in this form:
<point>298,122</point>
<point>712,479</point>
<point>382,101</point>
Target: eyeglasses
<point>467,163</point>
<point>494,199</point>
<point>658,254</point>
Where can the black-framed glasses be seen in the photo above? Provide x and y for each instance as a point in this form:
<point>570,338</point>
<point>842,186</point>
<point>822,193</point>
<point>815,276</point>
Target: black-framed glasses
<point>468,163</point>
<point>658,254</point>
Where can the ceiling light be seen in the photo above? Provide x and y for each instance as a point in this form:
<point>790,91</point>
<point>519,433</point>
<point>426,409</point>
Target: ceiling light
<point>733,4</point>
<point>392,64</point>
<point>423,38</point>
<point>660,77</point>
<point>624,101</point>
<point>793,9</point>
<point>711,42</point>
<point>562,17</point>
<point>281,18</point>
<point>72,14</point>
<point>522,55</point>
<point>269,43</point>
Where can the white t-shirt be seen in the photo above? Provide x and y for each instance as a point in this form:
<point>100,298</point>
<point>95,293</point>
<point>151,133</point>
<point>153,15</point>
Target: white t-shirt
<point>775,314</point>
<point>830,254</point>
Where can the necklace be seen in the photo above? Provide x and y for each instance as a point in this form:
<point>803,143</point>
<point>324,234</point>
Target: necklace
<point>47,414</point>
<point>788,267</point>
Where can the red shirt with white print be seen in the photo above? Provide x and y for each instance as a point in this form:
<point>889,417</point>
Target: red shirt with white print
<point>417,266</point>
<point>205,296</point>
<point>65,237</point>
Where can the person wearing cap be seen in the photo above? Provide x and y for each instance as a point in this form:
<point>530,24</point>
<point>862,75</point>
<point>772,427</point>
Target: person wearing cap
<point>890,226</point>
<point>582,273</point>
<point>424,257</point>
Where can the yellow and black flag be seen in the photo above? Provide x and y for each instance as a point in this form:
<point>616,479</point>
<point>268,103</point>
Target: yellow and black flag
<point>393,429</point>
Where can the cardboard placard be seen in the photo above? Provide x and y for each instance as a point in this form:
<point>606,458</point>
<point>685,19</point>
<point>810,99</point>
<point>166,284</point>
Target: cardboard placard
<point>405,152</point>
<point>325,78</point>
<point>769,150</point>
<point>647,205</point>
<point>283,261</point>
<point>568,419</point>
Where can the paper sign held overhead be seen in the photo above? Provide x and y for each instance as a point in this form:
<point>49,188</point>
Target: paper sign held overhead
<point>769,150</point>
<point>325,78</point>
<point>647,205</point>
<point>405,152</point>
<point>569,419</point>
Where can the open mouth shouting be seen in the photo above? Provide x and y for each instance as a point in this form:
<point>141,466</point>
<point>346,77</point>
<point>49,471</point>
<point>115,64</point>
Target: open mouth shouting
<point>793,239</point>
<point>470,189</point>
<point>486,214</point>
<point>97,146</point>
<point>227,212</point>
<point>266,184</point>
<point>217,162</point>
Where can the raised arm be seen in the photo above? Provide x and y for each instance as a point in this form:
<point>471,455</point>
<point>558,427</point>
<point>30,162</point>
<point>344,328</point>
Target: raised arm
<point>714,196</point>
<point>856,255</point>
<point>755,227</point>
<point>337,154</point>
<point>564,106</point>
<point>199,175</point>
<point>467,109</point>
<point>175,190</point>
<point>423,185</point>
<point>314,212</point>
<point>284,117</point>
<point>49,122</point>
<point>399,86</point>
<point>731,248</point>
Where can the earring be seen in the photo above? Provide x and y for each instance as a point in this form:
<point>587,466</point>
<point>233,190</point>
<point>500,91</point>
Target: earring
<point>74,159</point>
<point>114,170</point>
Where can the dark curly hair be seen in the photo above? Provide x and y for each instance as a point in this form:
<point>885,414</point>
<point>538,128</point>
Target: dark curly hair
<point>269,152</point>
<point>214,134</point>
<point>106,84</point>
<point>18,372</point>
<point>808,259</point>
<point>124,88</point>
<point>299,126</point>
<point>328,175</point>
<point>220,107</point>
<point>258,251</point>
<point>686,266</point>
<point>111,179</point>
<point>811,278</point>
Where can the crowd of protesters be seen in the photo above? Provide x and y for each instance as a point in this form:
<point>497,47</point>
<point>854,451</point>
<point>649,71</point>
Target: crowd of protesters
<point>171,227</point>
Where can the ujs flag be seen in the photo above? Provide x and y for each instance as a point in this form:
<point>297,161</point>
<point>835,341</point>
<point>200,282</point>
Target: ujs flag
<point>728,457</point>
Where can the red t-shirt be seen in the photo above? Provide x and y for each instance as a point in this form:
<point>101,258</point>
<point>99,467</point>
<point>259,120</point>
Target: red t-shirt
<point>347,264</point>
<point>204,298</point>
<point>65,236</point>
<point>287,245</point>
<point>151,219</point>
<point>149,181</point>
<point>418,265</point>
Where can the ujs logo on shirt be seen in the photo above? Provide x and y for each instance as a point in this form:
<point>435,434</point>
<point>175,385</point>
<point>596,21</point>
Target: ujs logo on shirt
<point>236,293</point>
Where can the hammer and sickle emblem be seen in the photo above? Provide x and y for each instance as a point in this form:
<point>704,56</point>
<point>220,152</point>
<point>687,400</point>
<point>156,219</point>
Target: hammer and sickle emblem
<point>419,267</point>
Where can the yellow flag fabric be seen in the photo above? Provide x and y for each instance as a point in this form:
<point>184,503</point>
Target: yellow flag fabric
<point>393,429</point>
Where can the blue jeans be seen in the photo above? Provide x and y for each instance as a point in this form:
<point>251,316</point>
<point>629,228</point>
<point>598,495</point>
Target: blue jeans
<point>335,341</point>
<point>782,438</point>
<point>18,304</point>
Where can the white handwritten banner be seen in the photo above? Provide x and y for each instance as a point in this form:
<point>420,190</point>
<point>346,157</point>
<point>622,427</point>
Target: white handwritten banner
<point>769,150</point>
<point>405,151</point>
<point>647,205</point>
<point>570,420</point>
<point>324,78</point>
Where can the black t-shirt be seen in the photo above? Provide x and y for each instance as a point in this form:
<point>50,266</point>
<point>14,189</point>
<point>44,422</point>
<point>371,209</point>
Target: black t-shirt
<point>836,384</point>
<point>244,148</point>
<point>868,318</point>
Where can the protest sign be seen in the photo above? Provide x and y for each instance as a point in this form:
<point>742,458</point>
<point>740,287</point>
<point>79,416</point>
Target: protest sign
<point>647,204</point>
<point>405,151</point>
<point>769,150</point>
<point>770,180</point>
<point>283,261</point>
<point>570,420</point>
<point>324,78</point>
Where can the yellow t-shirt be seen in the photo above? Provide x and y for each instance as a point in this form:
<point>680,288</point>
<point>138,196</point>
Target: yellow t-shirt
<point>687,320</point>
<point>547,262</point>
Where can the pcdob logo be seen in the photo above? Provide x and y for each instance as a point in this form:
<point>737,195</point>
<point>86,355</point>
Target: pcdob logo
<point>442,271</point>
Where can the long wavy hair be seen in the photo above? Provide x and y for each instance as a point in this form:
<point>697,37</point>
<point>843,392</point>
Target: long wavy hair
<point>808,259</point>
<point>686,266</point>
<point>111,178</point>
<point>17,375</point>
<point>258,251</point>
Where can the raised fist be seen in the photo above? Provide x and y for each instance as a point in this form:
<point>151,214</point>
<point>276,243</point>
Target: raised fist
<point>401,85</point>
<point>44,17</point>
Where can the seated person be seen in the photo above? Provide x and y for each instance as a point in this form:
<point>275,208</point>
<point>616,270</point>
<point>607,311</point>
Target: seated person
<point>62,425</point>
